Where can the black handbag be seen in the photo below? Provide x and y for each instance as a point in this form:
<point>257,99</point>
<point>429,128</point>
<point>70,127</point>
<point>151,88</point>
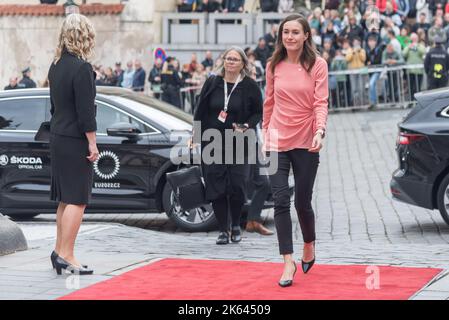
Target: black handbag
<point>43,134</point>
<point>188,187</point>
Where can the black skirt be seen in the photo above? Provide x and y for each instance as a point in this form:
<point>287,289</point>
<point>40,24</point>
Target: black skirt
<point>71,171</point>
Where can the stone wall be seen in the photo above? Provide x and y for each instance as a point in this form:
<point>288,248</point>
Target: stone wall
<point>31,40</point>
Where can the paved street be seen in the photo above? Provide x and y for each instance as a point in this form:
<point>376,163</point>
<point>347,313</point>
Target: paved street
<point>357,222</point>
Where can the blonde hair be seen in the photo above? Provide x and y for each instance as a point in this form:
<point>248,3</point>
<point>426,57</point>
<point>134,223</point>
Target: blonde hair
<point>246,71</point>
<point>77,36</point>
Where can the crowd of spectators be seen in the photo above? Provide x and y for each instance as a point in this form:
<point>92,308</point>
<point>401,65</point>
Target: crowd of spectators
<point>349,34</point>
<point>355,34</point>
<point>225,6</point>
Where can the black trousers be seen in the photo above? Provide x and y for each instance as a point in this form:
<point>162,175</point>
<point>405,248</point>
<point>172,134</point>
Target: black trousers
<point>171,95</point>
<point>226,189</point>
<point>415,84</point>
<point>433,83</point>
<point>305,166</point>
<point>222,206</point>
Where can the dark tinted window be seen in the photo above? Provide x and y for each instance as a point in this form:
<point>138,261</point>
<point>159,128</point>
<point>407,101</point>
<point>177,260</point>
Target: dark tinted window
<point>107,116</point>
<point>22,114</point>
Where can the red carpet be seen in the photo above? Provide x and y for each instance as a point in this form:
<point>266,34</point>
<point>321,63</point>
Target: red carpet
<point>185,279</point>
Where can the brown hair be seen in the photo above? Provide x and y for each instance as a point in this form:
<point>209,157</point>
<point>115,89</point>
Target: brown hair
<point>309,51</point>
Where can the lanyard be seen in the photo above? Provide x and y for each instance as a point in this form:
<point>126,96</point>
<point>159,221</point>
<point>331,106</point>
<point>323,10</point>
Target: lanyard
<point>226,97</point>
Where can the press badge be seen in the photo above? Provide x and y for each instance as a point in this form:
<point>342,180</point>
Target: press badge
<point>222,116</point>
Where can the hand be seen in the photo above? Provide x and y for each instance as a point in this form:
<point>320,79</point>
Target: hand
<point>316,143</point>
<point>239,129</point>
<point>190,143</point>
<point>93,153</point>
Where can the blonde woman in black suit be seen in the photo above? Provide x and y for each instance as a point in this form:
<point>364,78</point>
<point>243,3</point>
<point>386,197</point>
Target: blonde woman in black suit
<point>73,147</point>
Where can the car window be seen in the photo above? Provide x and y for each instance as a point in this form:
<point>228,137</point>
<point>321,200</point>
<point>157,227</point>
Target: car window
<point>107,116</point>
<point>164,116</point>
<point>22,114</point>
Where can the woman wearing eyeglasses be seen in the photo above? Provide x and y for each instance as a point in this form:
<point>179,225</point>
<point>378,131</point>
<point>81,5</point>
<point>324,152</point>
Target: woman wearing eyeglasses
<point>294,120</point>
<point>230,101</point>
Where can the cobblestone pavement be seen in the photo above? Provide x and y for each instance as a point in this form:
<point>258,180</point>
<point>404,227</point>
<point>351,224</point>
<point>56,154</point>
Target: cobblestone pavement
<point>357,222</point>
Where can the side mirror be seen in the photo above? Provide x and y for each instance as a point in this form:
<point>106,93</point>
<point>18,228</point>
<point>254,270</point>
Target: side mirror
<point>124,129</point>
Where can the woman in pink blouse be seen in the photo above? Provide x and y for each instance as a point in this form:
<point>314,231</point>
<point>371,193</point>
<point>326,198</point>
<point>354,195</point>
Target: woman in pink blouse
<point>294,121</point>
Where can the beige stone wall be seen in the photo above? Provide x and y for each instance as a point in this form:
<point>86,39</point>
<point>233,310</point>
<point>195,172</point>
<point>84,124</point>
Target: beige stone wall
<point>30,41</point>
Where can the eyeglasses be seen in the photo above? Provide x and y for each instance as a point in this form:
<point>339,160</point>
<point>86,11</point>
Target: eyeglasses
<point>229,59</point>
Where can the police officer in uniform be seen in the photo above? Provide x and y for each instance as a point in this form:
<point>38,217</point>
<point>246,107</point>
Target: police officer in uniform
<point>171,83</point>
<point>436,65</point>
<point>26,80</point>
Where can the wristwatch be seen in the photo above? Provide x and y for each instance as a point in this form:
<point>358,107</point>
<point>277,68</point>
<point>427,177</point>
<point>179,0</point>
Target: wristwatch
<point>321,132</point>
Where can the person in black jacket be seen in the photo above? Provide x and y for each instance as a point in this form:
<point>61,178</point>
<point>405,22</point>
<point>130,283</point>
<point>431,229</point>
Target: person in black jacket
<point>353,30</point>
<point>209,6</point>
<point>26,80</point>
<point>233,5</point>
<point>139,77</point>
<point>14,84</point>
<point>225,167</point>
<point>374,59</point>
<point>269,5</point>
<point>155,78</point>
<point>73,147</point>
<point>262,52</point>
<point>436,65</point>
<point>171,83</point>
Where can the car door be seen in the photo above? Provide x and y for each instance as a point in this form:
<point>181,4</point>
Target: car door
<point>121,177</point>
<point>24,163</point>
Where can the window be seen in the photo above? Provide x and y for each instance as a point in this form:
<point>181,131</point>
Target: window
<point>22,113</point>
<point>107,116</point>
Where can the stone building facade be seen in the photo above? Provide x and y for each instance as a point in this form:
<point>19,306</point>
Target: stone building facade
<point>29,31</point>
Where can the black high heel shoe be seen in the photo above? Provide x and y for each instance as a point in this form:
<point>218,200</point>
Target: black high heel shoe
<point>61,264</point>
<point>306,266</point>
<point>53,257</point>
<point>287,283</point>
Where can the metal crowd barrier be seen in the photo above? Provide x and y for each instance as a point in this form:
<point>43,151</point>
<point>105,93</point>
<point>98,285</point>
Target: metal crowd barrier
<point>380,86</point>
<point>189,95</point>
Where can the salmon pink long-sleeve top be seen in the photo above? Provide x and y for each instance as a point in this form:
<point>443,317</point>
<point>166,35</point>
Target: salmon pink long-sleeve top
<point>296,105</point>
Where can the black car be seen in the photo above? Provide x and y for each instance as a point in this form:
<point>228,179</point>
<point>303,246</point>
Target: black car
<point>134,137</point>
<point>422,178</point>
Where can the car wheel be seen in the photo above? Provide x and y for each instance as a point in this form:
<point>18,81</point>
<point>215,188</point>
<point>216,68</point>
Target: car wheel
<point>22,217</point>
<point>200,219</point>
<point>443,199</point>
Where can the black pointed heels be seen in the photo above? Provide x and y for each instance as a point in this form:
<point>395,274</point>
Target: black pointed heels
<point>61,264</point>
<point>306,266</point>
<point>53,257</point>
<point>287,283</point>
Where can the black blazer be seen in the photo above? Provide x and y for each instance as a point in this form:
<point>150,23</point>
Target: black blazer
<point>72,96</point>
<point>252,105</point>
